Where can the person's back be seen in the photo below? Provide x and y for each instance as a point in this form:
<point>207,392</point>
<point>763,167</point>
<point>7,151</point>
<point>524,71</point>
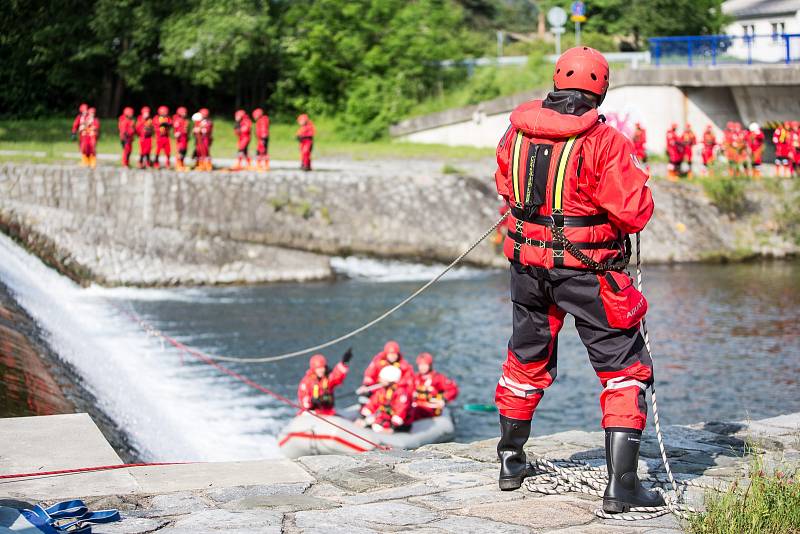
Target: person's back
<point>576,189</point>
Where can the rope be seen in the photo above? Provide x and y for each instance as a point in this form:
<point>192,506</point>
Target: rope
<point>370,324</point>
<point>79,470</point>
<point>553,477</point>
<point>207,359</point>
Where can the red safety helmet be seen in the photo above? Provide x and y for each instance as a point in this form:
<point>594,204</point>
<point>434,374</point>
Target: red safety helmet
<point>302,119</point>
<point>163,110</point>
<point>146,110</point>
<point>83,107</point>
<point>674,126</point>
<point>425,357</point>
<point>91,111</point>
<point>391,346</point>
<point>128,111</point>
<point>181,111</point>
<point>582,68</point>
<point>239,114</point>
<point>204,112</point>
<point>258,113</point>
<point>317,361</point>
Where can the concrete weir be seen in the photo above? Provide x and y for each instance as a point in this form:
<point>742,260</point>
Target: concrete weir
<point>444,488</point>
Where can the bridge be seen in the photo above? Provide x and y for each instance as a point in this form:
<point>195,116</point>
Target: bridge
<point>653,96</point>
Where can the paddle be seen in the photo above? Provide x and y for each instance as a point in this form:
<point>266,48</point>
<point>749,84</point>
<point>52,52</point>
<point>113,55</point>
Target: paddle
<point>481,408</point>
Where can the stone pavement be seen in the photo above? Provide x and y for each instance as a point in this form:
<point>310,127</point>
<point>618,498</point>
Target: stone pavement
<point>447,488</point>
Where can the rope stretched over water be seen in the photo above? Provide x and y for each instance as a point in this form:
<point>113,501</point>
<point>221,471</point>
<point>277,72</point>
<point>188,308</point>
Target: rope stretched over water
<point>553,477</point>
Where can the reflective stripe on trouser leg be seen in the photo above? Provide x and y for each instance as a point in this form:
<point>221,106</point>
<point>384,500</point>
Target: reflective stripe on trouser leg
<point>623,397</point>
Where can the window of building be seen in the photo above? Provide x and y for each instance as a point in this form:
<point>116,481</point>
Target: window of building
<point>778,28</point>
<point>748,29</point>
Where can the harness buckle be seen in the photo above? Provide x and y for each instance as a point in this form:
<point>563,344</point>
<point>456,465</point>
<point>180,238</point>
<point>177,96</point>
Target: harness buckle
<point>535,243</point>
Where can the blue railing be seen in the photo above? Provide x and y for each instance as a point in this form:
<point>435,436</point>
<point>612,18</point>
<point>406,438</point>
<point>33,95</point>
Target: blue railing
<point>706,50</point>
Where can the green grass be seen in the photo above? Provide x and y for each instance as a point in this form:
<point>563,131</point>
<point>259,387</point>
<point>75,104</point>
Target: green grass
<point>770,504</point>
<point>727,194</point>
<point>51,136</point>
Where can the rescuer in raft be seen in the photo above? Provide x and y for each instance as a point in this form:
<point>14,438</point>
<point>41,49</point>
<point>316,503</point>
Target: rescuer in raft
<point>388,407</point>
<point>392,357</point>
<point>576,190</point>
<point>180,126</point>
<point>262,134</point>
<point>315,391</point>
<point>127,130</point>
<point>432,390</point>
<point>305,136</point>
<point>89,132</point>
<point>242,128</point>
<point>163,125</point>
<point>145,131</point>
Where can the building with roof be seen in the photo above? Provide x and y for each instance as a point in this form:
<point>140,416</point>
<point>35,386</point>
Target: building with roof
<point>759,27</point>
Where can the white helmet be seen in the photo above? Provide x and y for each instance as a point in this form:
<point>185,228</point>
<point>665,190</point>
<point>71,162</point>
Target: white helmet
<point>197,117</point>
<point>390,374</point>
<point>754,127</point>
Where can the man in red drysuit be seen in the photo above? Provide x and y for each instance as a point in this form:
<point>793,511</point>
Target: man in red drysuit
<point>163,125</point>
<point>688,140</point>
<point>203,131</point>
<point>388,407</point>
<point>576,190</point>
<point>782,139</point>
<point>709,147</point>
<point>127,130</point>
<point>262,134</point>
<point>180,125</point>
<point>242,130</point>
<point>89,131</point>
<point>639,143</point>
<point>315,391</point>
<point>145,130</point>
<point>755,145</point>
<point>674,152</point>
<point>305,135</point>
<point>432,389</point>
<point>389,356</point>
<point>76,124</point>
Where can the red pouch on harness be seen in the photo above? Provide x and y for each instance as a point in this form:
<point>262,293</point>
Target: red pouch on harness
<point>625,306</point>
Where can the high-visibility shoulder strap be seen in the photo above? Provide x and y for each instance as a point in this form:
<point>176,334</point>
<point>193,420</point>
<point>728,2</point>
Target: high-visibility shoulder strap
<point>515,166</point>
<point>558,185</point>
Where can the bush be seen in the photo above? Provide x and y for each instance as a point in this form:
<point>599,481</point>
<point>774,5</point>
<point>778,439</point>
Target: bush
<point>727,194</point>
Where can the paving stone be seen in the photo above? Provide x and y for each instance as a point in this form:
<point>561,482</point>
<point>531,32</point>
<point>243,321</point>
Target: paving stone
<point>402,492</point>
<point>239,492</point>
<point>579,437</point>
<point>133,525</point>
<point>331,462</point>
<point>594,528</point>
<point>389,513</point>
<point>428,467</point>
<point>472,525</point>
<point>227,521</point>
<point>668,521</point>
<point>280,503</point>
<point>460,498</point>
<point>547,512</point>
<point>447,481</point>
<point>174,504</point>
<point>326,490</point>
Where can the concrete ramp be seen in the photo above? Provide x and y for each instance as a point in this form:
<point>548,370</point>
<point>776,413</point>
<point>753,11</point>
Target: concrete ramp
<point>73,441</point>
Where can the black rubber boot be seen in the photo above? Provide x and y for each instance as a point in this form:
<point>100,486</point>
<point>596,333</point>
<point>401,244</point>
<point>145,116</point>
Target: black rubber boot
<point>624,488</point>
<point>513,463</point>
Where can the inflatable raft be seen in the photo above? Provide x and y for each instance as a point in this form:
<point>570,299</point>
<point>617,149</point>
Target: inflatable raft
<point>307,435</point>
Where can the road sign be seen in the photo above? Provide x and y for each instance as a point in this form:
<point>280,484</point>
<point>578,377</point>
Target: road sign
<point>578,10</point>
<point>557,17</point>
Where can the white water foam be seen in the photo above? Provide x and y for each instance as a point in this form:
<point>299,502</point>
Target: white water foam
<point>398,271</point>
<point>171,412</point>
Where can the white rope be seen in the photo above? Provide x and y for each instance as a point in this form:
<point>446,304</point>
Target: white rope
<point>553,477</point>
<point>370,324</point>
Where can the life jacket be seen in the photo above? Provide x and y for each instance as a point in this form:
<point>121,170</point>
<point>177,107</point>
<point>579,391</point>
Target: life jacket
<point>321,394</point>
<point>163,125</point>
<point>147,127</point>
<point>386,404</point>
<point>424,394</point>
<point>709,139</point>
<point>548,215</point>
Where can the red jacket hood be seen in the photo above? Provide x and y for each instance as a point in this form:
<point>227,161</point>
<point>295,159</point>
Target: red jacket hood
<point>533,119</point>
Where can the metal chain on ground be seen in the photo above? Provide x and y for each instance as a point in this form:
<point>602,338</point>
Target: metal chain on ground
<point>370,324</point>
<point>553,477</point>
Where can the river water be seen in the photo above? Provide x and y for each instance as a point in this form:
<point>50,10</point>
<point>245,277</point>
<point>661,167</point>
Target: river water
<point>725,339</point>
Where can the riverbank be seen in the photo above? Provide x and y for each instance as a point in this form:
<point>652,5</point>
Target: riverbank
<point>439,488</point>
<point>127,227</point>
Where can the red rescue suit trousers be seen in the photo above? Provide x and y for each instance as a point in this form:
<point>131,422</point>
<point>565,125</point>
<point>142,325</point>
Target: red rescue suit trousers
<point>88,145</point>
<point>541,298</point>
<point>306,144</point>
<point>145,146</point>
<point>163,146</point>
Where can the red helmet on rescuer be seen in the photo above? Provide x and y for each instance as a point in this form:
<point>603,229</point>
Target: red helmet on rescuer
<point>181,111</point>
<point>83,108</point>
<point>163,110</point>
<point>239,114</point>
<point>258,113</point>
<point>391,346</point>
<point>317,361</point>
<point>425,357</point>
<point>91,111</point>
<point>128,112</point>
<point>582,68</point>
<point>204,112</point>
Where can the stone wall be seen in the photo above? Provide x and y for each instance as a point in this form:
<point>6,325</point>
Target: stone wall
<point>159,228</point>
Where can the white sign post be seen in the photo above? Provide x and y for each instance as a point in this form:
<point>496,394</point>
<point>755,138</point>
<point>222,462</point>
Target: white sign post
<point>557,17</point>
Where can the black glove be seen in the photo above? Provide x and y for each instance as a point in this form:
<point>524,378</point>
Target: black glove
<point>347,356</point>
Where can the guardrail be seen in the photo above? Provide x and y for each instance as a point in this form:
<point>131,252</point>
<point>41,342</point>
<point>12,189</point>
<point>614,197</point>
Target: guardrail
<point>707,50</point>
<point>634,58</point>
